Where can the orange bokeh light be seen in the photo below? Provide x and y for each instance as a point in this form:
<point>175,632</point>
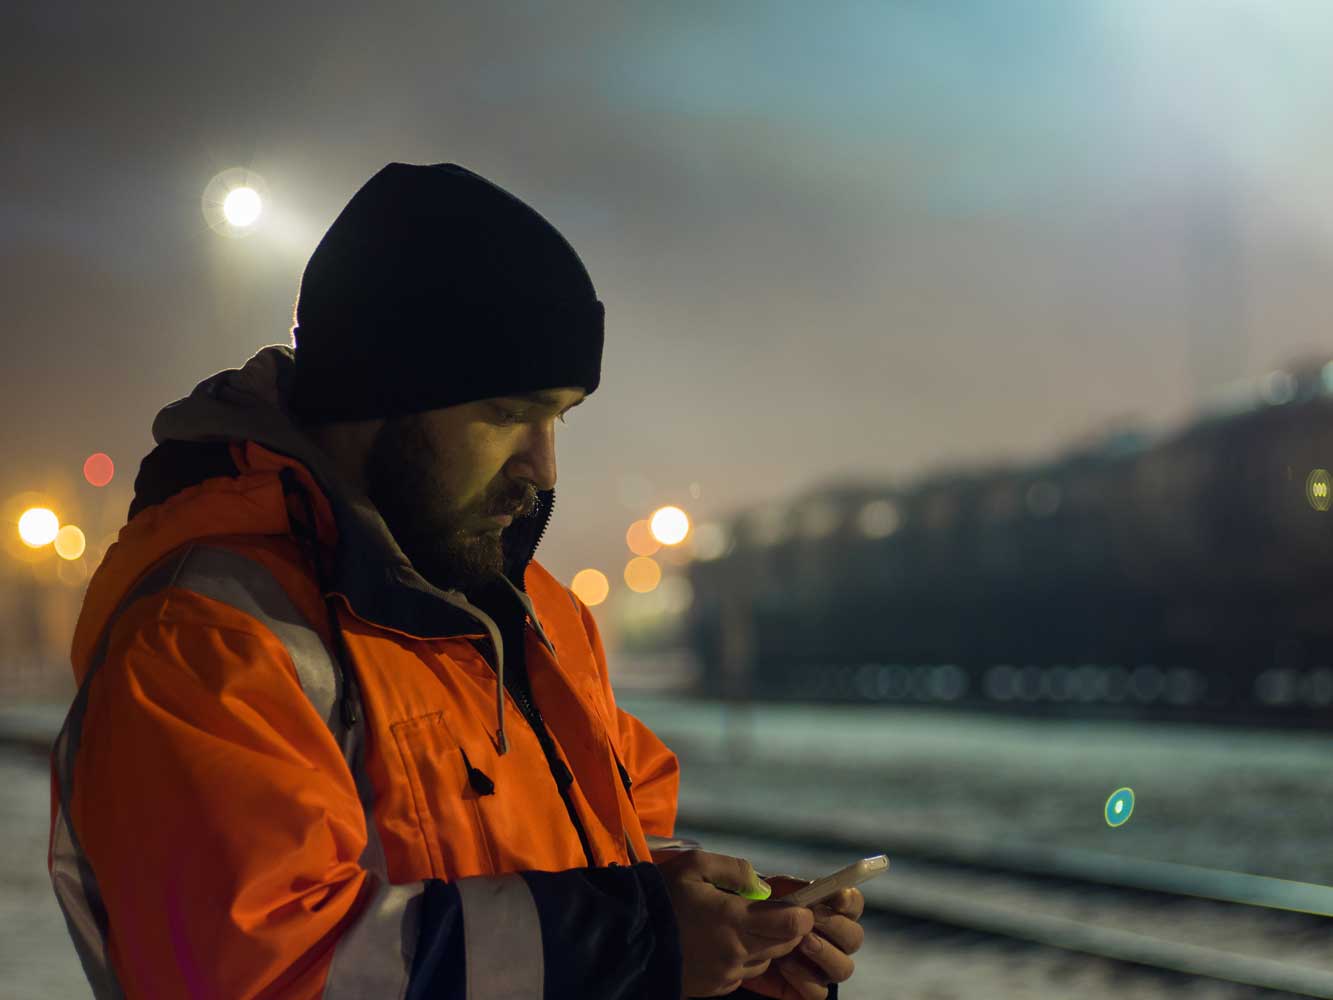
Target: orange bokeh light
<point>70,542</point>
<point>590,586</point>
<point>640,539</point>
<point>99,469</point>
<point>642,575</point>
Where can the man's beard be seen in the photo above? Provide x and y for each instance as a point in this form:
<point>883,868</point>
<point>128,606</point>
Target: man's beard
<point>403,483</point>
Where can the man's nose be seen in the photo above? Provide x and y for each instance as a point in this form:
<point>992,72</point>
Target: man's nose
<point>535,459</point>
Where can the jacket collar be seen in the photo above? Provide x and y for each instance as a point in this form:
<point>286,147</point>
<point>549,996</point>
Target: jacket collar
<point>370,570</point>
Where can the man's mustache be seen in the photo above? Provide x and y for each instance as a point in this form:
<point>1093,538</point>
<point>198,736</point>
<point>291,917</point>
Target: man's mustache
<point>518,507</point>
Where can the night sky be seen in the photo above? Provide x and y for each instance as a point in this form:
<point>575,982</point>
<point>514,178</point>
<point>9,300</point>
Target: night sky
<point>844,240</point>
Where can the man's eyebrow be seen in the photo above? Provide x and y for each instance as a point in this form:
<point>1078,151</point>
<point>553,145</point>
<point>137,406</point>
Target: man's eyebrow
<point>542,398</point>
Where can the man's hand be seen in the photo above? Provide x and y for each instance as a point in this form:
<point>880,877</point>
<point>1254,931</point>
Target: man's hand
<point>824,954</point>
<point>725,938</point>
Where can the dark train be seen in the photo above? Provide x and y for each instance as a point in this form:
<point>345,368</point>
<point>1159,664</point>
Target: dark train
<point>1183,576</point>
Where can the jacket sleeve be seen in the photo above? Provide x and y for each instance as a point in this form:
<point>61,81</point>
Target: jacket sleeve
<point>225,831</point>
<point>605,934</point>
<point>652,766</point>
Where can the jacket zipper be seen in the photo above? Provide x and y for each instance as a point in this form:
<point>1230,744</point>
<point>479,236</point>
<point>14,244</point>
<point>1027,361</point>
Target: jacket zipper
<point>548,508</point>
<point>559,769</point>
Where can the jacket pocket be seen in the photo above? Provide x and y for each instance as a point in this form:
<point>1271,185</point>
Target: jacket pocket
<point>444,800</point>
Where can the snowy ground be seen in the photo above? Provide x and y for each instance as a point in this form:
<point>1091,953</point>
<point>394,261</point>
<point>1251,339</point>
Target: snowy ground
<point>37,960</point>
<point>1249,801</point>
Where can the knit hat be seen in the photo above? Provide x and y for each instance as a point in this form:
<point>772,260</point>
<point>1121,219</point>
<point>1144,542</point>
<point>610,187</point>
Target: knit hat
<point>434,287</point>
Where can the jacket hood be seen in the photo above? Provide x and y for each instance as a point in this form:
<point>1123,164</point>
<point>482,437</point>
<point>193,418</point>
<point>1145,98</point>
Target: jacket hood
<point>236,424</point>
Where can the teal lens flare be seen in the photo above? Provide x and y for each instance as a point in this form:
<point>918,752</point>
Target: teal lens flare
<point>1119,806</point>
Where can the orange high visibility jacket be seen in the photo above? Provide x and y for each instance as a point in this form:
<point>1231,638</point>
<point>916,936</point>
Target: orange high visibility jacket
<point>293,770</point>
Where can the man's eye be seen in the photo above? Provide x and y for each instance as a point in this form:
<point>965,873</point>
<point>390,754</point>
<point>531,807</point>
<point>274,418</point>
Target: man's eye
<point>514,417</point>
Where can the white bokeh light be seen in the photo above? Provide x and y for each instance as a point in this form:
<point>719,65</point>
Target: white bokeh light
<point>878,519</point>
<point>669,525</point>
<point>235,201</point>
<point>38,527</point>
<point>242,206</point>
<point>711,541</point>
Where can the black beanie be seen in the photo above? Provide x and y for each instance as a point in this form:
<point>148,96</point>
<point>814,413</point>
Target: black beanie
<point>435,287</point>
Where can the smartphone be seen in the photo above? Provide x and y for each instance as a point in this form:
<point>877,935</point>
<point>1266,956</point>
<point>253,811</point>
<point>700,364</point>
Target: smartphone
<point>853,874</point>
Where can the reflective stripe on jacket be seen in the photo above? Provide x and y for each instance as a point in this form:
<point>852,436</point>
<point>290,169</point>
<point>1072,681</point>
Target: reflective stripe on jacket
<point>218,829</point>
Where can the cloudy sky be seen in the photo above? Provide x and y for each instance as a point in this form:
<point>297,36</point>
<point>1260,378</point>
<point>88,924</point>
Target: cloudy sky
<point>844,240</point>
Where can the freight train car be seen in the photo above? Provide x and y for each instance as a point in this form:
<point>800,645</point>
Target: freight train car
<point>1185,576</point>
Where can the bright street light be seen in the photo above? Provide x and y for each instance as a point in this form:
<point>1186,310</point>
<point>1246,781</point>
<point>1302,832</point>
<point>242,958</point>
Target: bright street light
<point>242,206</point>
<point>38,526</point>
<point>233,201</point>
<point>669,525</point>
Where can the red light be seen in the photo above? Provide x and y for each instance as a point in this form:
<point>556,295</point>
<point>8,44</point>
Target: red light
<point>99,469</point>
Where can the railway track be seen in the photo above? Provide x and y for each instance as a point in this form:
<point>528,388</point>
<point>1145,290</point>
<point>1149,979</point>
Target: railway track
<point>1175,924</point>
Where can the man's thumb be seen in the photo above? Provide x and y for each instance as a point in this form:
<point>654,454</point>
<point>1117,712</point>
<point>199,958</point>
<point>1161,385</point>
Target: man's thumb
<point>736,875</point>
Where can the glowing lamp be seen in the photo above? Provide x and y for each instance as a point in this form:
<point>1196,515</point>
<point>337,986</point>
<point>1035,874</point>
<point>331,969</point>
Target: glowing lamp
<point>640,539</point>
<point>1319,489</point>
<point>99,469</point>
<point>38,526</point>
<point>242,206</point>
<point>642,575</point>
<point>590,587</point>
<point>670,525</point>
<point>70,542</point>
<point>233,202</point>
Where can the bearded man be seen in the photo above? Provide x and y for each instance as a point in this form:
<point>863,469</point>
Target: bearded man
<point>338,734</point>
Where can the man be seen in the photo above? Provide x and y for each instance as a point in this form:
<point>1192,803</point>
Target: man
<point>337,733</point>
